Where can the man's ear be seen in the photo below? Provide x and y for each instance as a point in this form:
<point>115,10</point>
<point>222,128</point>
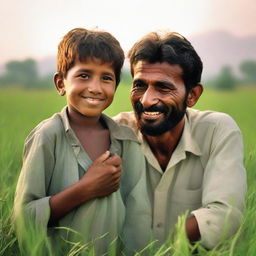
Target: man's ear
<point>59,84</point>
<point>194,95</point>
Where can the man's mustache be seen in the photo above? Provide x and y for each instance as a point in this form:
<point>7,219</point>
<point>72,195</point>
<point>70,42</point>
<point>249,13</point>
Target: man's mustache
<point>139,108</point>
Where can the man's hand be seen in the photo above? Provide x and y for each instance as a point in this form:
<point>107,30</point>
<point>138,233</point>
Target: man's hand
<point>103,176</point>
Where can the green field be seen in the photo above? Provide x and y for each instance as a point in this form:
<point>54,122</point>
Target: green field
<point>21,110</point>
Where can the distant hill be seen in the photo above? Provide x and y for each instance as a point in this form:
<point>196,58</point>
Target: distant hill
<point>220,48</point>
<point>216,48</point>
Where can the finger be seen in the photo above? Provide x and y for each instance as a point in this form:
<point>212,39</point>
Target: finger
<point>117,180</point>
<point>116,175</point>
<point>103,157</point>
<point>114,160</point>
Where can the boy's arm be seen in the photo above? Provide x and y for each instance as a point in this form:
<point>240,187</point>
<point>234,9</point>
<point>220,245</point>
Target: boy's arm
<point>31,199</point>
<point>101,179</point>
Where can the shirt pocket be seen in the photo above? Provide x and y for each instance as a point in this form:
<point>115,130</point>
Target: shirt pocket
<point>182,201</point>
<point>188,197</point>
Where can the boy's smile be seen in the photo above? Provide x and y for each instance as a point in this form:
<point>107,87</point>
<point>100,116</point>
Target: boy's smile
<point>89,87</point>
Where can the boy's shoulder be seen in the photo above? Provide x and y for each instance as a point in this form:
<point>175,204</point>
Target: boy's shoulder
<point>50,128</point>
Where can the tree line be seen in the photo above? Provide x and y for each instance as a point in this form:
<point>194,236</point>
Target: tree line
<point>25,74</point>
<point>226,79</point>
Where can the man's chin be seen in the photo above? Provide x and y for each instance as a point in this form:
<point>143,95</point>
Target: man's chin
<point>153,130</point>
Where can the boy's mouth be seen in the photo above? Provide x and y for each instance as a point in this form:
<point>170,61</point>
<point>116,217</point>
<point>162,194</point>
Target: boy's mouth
<point>92,99</point>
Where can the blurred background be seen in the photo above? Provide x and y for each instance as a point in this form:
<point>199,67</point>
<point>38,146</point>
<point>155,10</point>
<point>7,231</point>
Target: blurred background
<point>222,32</point>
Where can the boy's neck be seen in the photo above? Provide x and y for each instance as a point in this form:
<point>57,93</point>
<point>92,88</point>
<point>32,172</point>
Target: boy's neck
<point>78,120</point>
<point>92,133</point>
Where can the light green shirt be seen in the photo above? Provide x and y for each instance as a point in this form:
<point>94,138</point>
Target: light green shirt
<point>54,160</point>
<point>205,176</point>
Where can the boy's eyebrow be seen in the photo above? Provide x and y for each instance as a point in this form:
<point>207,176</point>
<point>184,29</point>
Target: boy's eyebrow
<point>90,71</point>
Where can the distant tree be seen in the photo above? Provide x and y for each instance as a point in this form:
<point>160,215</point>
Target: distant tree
<point>226,79</point>
<point>248,69</point>
<point>21,73</point>
<point>126,77</point>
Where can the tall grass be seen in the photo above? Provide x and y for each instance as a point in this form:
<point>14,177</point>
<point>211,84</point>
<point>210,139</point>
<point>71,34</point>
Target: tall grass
<point>20,111</point>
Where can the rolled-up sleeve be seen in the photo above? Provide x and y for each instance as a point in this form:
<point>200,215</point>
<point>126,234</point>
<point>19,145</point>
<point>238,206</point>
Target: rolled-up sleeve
<point>224,187</point>
<point>31,199</point>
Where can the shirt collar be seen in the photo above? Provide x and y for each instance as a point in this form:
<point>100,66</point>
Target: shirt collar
<point>186,143</point>
<point>119,132</point>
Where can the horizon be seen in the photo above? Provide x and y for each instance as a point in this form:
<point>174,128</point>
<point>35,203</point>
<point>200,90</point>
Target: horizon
<point>33,29</point>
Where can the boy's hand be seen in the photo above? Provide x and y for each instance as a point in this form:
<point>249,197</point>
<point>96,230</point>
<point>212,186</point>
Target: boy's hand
<point>103,176</point>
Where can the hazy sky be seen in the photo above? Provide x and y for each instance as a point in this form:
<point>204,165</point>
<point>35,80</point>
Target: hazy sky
<point>33,28</point>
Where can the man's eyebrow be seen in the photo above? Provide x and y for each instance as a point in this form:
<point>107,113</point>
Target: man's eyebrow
<point>138,80</point>
<point>164,83</point>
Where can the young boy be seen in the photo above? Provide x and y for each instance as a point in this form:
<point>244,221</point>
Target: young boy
<point>75,161</point>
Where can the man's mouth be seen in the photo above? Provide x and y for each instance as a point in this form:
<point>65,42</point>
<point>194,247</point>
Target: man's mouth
<point>147,115</point>
<point>151,113</point>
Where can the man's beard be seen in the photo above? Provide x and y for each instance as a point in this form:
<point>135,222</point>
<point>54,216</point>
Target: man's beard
<point>172,116</point>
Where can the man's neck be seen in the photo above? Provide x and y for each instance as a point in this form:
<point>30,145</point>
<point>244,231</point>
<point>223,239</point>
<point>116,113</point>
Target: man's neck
<point>163,146</point>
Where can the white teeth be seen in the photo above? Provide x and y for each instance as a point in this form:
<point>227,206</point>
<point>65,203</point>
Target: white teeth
<point>91,99</point>
<point>152,113</point>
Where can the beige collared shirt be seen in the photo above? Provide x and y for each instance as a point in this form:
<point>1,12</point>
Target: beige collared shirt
<point>54,160</point>
<point>205,176</point>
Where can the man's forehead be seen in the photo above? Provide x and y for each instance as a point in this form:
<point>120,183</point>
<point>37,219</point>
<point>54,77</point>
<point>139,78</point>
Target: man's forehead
<point>158,69</point>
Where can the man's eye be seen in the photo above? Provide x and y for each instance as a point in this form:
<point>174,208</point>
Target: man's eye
<point>138,85</point>
<point>164,88</point>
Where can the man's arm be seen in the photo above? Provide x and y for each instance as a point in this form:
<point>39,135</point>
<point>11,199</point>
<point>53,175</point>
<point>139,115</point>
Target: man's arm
<point>224,185</point>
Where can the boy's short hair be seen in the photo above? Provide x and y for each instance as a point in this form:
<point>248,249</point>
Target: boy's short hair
<point>80,44</point>
<point>172,48</point>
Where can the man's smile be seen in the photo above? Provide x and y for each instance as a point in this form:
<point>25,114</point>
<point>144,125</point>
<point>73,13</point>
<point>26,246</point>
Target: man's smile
<point>151,115</point>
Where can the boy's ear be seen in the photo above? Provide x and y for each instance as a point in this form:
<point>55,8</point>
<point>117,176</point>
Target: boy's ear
<point>194,95</point>
<point>59,84</point>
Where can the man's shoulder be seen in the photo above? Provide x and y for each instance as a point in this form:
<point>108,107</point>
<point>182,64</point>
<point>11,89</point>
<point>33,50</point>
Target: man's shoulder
<point>119,130</point>
<point>127,119</point>
<point>209,118</point>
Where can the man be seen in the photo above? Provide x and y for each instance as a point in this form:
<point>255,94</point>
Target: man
<point>194,158</point>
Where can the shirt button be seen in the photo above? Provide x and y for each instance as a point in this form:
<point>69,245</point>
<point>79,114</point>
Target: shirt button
<point>159,225</point>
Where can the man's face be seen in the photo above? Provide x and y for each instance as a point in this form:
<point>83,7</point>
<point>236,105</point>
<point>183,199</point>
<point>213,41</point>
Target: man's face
<point>158,97</point>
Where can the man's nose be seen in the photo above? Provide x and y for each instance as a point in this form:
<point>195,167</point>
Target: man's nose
<point>149,97</point>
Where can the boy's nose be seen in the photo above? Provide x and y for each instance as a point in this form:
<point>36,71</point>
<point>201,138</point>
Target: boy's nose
<point>149,98</point>
<point>94,86</point>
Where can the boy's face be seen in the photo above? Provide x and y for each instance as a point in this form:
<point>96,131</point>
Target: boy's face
<point>89,87</point>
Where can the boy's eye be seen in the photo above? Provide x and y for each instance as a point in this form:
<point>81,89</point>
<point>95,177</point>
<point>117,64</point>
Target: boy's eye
<point>107,78</point>
<point>84,76</point>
